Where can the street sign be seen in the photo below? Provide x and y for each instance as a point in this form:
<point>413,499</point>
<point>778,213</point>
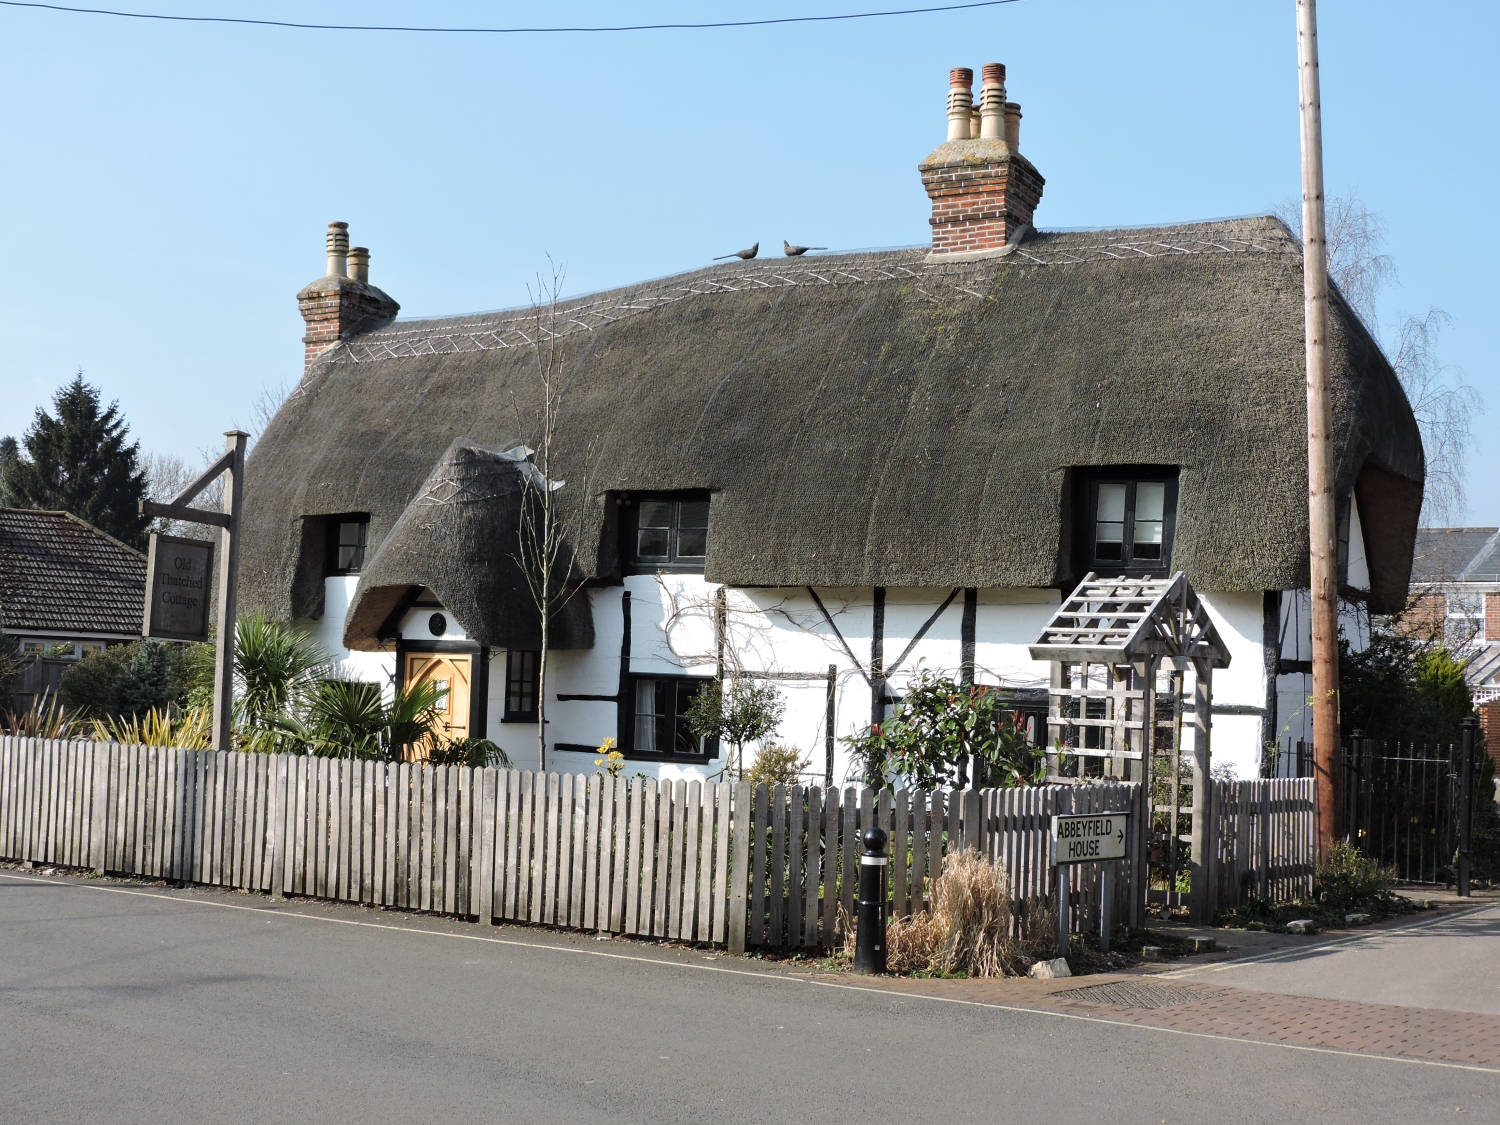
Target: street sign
<point>1089,837</point>
<point>177,587</point>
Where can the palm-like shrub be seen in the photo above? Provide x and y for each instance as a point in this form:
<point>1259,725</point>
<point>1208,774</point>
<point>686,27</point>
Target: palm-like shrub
<point>350,719</point>
<point>475,752</point>
<point>276,669</point>
<point>160,726</point>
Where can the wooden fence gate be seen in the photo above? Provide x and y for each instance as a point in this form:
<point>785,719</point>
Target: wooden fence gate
<point>1264,839</point>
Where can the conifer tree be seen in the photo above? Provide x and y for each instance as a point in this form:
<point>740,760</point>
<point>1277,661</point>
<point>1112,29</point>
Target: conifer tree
<point>79,462</point>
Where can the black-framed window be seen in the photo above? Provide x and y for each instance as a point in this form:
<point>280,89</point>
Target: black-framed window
<point>1128,521</point>
<point>346,537</point>
<point>521,668</point>
<point>665,531</point>
<point>658,719</point>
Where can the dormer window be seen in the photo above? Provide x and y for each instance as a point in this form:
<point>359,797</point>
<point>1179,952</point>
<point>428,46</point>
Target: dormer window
<point>665,531</point>
<point>346,537</point>
<point>1128,519</point>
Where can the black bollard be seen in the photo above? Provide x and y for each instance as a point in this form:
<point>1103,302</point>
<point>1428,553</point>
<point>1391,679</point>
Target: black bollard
<point>869,945</point>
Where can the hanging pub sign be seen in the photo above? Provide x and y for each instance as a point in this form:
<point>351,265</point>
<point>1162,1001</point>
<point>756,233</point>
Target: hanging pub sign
<point>177,588</point>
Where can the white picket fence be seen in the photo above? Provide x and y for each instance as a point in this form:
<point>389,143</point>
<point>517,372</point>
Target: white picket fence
<point>721,863</point>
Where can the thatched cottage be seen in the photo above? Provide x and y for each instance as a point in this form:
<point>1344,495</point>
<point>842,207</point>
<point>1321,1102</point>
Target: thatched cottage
<point>831,470</point>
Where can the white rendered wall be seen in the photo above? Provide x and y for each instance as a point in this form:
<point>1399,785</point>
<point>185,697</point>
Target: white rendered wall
<point>783,631</point>
<point>328,632</point>
<point>1236,739</point>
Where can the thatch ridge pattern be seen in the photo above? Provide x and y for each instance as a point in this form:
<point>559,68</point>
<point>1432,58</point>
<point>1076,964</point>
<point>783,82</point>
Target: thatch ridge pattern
<point>523,328</point>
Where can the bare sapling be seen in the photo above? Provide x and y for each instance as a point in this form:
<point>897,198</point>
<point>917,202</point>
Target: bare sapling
<point>548,528</point>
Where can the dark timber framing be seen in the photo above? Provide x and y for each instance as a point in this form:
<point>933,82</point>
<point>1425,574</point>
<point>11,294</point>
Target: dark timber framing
<point>966,636</point>
<point>877,659</point>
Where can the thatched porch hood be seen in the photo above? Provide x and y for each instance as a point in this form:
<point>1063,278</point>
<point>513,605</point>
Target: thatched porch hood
<point>867,419</point>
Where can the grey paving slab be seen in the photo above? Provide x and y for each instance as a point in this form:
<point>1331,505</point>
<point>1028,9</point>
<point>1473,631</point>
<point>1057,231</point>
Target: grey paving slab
<point>1451,963</point>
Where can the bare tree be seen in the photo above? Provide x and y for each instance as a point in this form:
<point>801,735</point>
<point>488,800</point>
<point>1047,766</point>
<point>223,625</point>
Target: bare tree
<point>1355,262</point>
<point>168,474</point>
<point>263,408</point>
<point>1445,406</point>
<point>547,528</point>
<point>1443,402</point>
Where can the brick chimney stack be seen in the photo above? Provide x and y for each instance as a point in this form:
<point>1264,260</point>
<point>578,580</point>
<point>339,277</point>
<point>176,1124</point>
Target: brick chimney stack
<point>983,190</point>
<point>342,303</point>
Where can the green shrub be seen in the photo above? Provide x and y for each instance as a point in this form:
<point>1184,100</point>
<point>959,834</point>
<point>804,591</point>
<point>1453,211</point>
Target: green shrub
<point>939,726</point>
<point>1350,879</point>
<point>84,688</point>
<point>1402,687</point>
<point>738,712</point>
<point>476,752</point>
<point>150,680</point>
<point>777,765</point>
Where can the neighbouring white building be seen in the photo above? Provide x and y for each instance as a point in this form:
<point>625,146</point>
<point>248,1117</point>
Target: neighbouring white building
<point>831,470</point>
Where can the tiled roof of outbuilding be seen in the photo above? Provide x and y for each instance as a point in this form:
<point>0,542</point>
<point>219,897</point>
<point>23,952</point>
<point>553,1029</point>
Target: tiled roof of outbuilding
<point>58,572</point>
<point>1456,554</point>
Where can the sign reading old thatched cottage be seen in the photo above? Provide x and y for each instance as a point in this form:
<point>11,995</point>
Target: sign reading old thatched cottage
<point>178,579</point>
<point>832,470</point>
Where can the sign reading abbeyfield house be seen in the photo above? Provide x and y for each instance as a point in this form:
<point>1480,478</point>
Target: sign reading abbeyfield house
<point>177,588</point>
<point>1089,837</point>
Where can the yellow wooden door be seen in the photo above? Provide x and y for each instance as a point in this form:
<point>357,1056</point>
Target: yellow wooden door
<point>451,674</point>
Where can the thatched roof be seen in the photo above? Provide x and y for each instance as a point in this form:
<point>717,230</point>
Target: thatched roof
<point>870,419</point>
<point>460,538</point>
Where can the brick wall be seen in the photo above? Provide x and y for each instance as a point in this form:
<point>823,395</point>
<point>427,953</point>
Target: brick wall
<point>980,205</point>
<point>1489,722</point>
<point>335,308</point>
<point>1492,617</point>
<point>1425,618</point>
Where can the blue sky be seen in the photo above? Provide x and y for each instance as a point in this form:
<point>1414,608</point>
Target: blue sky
<point>165,187</point>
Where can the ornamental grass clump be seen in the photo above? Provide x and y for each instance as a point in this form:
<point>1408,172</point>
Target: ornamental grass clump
<point>912,943</point>
<point>968,931</point>
<point>971,901</point>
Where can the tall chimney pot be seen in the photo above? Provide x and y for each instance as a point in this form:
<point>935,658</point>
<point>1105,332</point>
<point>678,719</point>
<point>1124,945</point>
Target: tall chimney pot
<point>983,191</point>
<point>359,264</point>
<point>342,303</point>
<point>338,249</point>
<point>992,103</point>
<point>960,102</point>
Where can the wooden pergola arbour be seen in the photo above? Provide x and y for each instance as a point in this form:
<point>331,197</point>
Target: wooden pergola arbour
<point>1108,643</point>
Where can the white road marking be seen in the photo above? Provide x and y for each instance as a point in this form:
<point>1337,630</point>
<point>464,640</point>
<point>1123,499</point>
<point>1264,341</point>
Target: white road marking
<point>765,976</point>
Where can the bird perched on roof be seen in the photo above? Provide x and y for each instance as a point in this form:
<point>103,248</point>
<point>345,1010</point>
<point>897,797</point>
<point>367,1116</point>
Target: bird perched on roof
<point>797,251</point>
<point>744,255</point>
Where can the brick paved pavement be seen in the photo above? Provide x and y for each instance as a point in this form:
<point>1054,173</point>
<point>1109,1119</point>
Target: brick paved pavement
<point>1380,1029</point>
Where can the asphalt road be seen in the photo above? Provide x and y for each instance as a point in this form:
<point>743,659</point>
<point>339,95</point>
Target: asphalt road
<point>1451,963</point>
<point>126,1006</point>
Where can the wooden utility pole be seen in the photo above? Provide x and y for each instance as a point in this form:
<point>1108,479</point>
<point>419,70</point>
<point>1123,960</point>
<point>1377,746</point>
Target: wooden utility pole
<point>229,571</point>
<point>1322,516</point>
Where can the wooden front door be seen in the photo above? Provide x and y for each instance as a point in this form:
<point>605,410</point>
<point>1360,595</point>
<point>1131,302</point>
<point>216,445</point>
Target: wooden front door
<point>446,671</point>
